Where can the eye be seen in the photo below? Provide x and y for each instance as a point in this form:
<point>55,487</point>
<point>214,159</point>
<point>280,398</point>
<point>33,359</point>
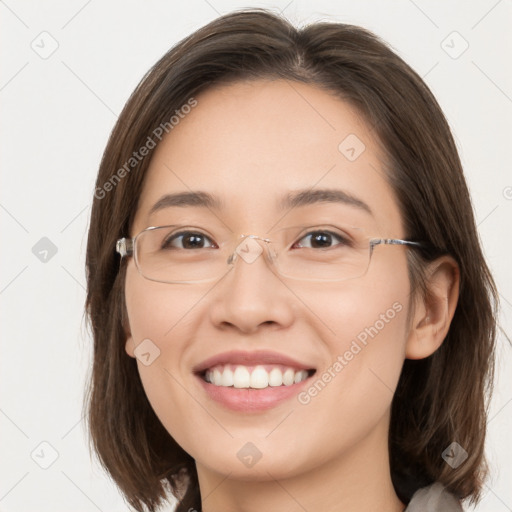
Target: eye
<point>322,239</point>
<point>187,239</point>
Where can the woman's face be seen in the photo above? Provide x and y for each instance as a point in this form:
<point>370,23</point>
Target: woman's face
<point>250,145</point>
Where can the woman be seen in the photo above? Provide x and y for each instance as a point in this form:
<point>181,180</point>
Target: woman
<point>289,302</point>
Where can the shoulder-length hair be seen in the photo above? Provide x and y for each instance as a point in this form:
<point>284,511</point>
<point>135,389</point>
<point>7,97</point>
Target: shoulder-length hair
<point>440,399</point>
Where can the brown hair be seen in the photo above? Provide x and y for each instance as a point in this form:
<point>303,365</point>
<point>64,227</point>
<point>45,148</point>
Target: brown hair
<point>440,399</point>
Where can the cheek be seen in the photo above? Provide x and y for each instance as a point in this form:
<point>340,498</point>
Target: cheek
<point>161,319</point>
<point>159,311</point>
<point>365,334</point>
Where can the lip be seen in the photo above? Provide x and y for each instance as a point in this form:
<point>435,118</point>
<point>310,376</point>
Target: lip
<point>259,357</point>
<point>251,400</point>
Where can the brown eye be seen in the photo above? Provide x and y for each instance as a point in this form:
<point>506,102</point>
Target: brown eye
<point>322,239</point>
<point>187,239</point>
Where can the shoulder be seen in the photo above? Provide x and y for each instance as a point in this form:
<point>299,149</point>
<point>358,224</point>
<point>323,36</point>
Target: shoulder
<point>434,498</point>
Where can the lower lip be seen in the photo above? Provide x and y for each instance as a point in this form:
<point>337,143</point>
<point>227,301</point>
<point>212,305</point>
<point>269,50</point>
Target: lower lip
<point>251,400</point>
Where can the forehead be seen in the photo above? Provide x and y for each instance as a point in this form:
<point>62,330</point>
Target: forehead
<point>250,144</point>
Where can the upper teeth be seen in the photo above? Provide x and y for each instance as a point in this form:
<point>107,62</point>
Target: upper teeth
<point>240,376</point>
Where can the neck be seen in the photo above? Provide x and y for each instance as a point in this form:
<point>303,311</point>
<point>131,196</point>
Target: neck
<point>358,480</point>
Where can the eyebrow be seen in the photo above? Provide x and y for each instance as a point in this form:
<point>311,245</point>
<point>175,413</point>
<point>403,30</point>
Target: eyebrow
<point>291,200</point>
<point>328,195</point>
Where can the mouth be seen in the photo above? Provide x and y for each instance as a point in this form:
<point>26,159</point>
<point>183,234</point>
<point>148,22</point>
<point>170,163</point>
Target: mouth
<point>254,377</point>
<point>252,381</point>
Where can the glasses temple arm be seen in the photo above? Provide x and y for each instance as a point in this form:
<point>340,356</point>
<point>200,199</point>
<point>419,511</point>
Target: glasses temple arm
<point>124,246</point>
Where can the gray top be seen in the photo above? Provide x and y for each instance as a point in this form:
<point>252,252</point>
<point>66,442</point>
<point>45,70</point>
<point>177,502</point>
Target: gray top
<point>434,498</point>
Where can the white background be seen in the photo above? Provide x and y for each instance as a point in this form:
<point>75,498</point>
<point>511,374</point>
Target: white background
<point>57,113</point>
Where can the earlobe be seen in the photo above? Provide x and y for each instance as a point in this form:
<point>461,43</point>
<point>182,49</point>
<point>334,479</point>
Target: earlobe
<point>129,346</point>
<point>434,313</point>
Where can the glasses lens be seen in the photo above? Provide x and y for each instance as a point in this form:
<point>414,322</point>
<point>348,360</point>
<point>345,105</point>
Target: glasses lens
<point>177,254</point>
<point>323,253</point>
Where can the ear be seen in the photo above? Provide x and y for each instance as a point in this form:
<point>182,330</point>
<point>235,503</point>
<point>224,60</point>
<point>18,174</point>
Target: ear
<point>129,346</point>
<point>434,313</point>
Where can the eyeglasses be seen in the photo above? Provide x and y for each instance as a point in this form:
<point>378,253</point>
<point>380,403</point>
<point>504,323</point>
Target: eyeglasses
<point>188,254</point>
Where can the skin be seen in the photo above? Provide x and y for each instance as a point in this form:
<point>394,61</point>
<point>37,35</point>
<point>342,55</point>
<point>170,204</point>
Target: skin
<point>250,143</point>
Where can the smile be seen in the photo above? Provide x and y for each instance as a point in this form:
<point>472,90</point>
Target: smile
<point>254,377</point>
<point>252,381</point>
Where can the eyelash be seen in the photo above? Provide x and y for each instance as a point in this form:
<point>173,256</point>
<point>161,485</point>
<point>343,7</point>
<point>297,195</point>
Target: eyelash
<point>343,240</point>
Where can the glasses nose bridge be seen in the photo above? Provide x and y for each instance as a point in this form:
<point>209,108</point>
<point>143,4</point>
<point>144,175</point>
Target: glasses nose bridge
<point>250,247</point>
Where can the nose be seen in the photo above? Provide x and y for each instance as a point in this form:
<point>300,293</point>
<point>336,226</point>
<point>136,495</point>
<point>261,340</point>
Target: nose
<point>252,294</point>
